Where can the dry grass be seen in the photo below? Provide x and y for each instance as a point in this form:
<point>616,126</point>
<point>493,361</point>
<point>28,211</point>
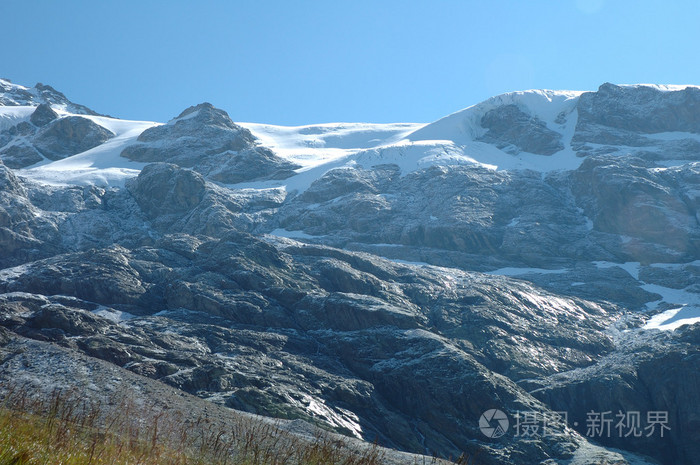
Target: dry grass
<point>67,430</point>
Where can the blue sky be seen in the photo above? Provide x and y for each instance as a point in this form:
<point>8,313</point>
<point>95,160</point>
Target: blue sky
<point>302,62</point>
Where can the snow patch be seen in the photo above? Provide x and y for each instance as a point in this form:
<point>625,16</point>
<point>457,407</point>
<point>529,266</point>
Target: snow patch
<point>630,267</point>
<point>291,234</point>
<point>11,116</point>
<point>675,318</point>
<point>412,156</point>
<point>101,165</point>
<point>314,145</point>
<point>115,316</point>
<point>512,271</point>
<point>662,87</point>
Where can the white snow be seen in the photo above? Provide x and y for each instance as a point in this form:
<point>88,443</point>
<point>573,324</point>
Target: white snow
<point>411,156</point>
<point>673,296</point>
<point>411,146</point>
<point>670,136</point>
<point>101,165</point>
<point>675,266</point>
<point>686,303</point>
<point>291,234</point>
<point>688,311</point>
<point>314,145</point>
<point>511,271</point>
<point>662,87</point>
<point>10,116</point>
<point>675,318</point>
<point>116,316</point>
<point>321,147</point>
<point>630,267</point>
<point>464,127</point>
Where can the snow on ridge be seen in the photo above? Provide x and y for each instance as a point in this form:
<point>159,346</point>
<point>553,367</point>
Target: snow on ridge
<point>6,83</point>
<point>101,165</point>
<point>11,116</point>
<point>411,156</point>
<point>662,87</point>
<point>318,148</point>
<point>314,145</point>
<point>465,124</point>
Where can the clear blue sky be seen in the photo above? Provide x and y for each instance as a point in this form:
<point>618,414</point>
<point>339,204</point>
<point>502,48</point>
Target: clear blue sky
<point>301,62</point>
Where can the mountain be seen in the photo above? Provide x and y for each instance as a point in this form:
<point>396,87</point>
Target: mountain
<point>536,253</point>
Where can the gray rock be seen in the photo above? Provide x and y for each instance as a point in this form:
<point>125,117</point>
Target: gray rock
<point>15,95</point>
<point>205,139</point>
<point>640,109</point>
<point>43,115</point>
<point>652,371</point>
<point>20,156</point>
<point>624,115</point>
<point>509,126</point>
<point>629,197</point>
<point>69,136</point>
<point>163,188</point>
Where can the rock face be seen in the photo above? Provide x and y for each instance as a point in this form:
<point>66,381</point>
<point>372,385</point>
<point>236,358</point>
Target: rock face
<point>205,139</point>
<point>392,299</point>
<point>640,109</point>
<point>163,188</point>
<point>19,156</point>
<point>43,134</point>
<point>43,115</point>
<point>17,95</point>
<point>653,372</point>
<point>68,136</point>
<point>514,130</point>
<point>629,197</point>
<point>633,116</point>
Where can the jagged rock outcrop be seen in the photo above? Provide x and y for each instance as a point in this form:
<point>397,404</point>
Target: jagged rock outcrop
<point>509,128</point>
<point>19,156</point>
<point>68,136</point>
<point>640,109</point>
<point>205,139</point>
<point>619,117</point>
<point>163,188</point>
<point>43,115</point>
<point>17,95</point>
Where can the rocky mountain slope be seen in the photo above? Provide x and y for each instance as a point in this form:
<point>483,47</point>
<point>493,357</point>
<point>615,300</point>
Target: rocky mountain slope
<point>535,253</point>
